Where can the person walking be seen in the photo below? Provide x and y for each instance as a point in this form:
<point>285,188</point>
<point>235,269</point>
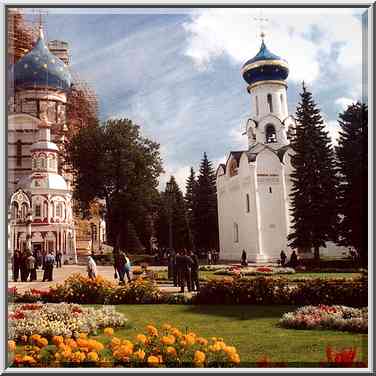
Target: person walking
<point>49,262</point>
<point>293,260</point>
<point>31,267</point>
<point>91,267</point>
<point>209,257</point>
<point>283,258</point>
<point>244,258</point>
<point>16,265</point>
<point>122,266</point>
<point>195,284</point>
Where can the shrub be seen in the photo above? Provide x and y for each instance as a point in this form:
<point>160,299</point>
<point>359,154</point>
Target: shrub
<point>271,290</point>
<point>327,317</point>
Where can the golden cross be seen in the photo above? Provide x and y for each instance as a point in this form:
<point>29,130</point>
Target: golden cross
<point>261,19</point>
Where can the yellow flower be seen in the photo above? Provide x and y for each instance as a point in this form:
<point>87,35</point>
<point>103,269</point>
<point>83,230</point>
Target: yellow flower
<point>199,358</point>
<point>234,358</point>
<point>171,351</point>
<point>229,350</point>
<point>57,356</point>
<point>94,345</point>
<point>141,338</point>
<point>152,330</point>
<point>57,340</point>
<point>190,340</point>
<point>176,332</point>
<point>42,342</point>
<point>214,339</point>
<point>202,341</point>
<point>109,332</point>
<point>92,356</point>
<point>140,355</point>
<point>153,360</point>
<point>28,359</point>
<point>115,342</point>
<point>11,346</point>
<point>168,340</point>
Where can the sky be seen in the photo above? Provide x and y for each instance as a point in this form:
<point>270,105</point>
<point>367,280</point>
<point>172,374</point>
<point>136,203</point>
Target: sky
<point>176,73</point>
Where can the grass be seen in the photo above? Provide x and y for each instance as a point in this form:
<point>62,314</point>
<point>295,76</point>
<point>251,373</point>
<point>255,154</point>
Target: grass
<point>252,329</point>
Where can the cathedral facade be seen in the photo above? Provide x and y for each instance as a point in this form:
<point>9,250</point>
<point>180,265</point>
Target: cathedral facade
<point>39,188</point>
<point>253,185</point>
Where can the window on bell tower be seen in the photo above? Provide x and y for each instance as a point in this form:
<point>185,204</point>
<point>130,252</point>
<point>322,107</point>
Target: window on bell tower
<point>19,153</point>
<point>270,102</point>
<point>257,106</point>
<point>270,134</point>
<point>281,101</point>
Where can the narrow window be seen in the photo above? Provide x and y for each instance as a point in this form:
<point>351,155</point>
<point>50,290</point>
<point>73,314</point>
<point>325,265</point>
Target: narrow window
<point>270,102</point>
<point>270,189</point>
<point>257,106</point>
<point>19,153</point>
<point>58,210</point>
<point>37,210</point>
<point>236,233</point>
<point>270,134</point>
<point>247,203</point>
<point>281,101</point>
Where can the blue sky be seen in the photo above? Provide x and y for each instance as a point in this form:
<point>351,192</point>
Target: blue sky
<point>176,73</point>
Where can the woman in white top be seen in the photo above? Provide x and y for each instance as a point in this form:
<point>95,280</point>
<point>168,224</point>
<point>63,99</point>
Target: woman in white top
<point>91,267</point>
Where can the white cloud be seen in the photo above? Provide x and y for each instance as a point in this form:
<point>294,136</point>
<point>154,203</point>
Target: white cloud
<point>333,128</point>
<point>180,173</point>
<point>344,102</point>
<point>233,32</point>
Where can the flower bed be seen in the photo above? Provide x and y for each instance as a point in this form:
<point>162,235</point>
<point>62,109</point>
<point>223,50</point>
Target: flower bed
<point>327,317</point>
<point>253,271</point>
<point>271,290</point>
<point>60,319</point>
<point>80,289</point>
<point>164,347</point>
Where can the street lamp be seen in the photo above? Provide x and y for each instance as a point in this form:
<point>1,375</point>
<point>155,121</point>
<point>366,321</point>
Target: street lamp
<point>169,190</point>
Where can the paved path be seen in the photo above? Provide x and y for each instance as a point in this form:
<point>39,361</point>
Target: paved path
<point>60,274</point>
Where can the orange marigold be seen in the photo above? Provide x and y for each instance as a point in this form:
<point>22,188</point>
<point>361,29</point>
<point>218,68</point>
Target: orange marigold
<point>11,346</point>
<point>199,358</point>
<point>152,330</point>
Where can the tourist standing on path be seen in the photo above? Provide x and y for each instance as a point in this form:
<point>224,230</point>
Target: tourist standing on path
<point>186,267</point>
<point>91,267</point>
<point>283,258</point>
<point>58,259</point>
<point>23,266</point>
<point>49,262</point>
<point>122,266</point>
<point>293,260</point>
<point>244,258</point>
<point>16,264</point>
<point>31,267</point>
<point>209,257</point>
<point>195,284</point>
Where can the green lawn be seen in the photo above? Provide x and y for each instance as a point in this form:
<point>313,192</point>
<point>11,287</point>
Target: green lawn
<point>252,329</point>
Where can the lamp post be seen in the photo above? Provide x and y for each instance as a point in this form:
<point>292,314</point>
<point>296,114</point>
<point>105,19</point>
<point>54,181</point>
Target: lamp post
<point>169,198</point>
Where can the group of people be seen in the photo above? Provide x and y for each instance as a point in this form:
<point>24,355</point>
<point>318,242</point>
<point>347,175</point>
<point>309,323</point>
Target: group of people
<point>293,259</point>
<point>183,269</point>
<point>122,266</point>
<point>25,265</point>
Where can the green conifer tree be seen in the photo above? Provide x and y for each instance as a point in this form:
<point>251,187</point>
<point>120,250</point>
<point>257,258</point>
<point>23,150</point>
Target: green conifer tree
<point>206,207</point>
<point>191,206</point>
<point>352,154</point>
<point>313,194</point>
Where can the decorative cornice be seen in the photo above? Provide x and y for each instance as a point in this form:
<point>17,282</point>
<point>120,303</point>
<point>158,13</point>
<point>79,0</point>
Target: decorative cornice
<point>261,63</point>
<point>264,82</point>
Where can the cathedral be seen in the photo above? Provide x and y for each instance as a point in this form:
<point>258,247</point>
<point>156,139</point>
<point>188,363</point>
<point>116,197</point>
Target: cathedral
<point>39,186</point>
<point>253,186</point>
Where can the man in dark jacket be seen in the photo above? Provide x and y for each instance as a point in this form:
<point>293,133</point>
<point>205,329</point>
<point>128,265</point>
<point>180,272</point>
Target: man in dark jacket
<point>23,266</point>
<point>195,284</point>
<point>185,270</point>
<point>49,262</point>
<point>16,264</point>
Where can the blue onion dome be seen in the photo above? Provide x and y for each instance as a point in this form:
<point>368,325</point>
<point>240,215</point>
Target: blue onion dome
<point>40,68</point>
<point>265,66</point>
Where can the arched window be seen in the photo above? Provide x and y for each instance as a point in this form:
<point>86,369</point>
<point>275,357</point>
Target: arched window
<point>24,210</point>
<point>37,210</point>
<point>270,102</point>
<point>39,164</point>
<point>34,164</point>
<point>14,210</point>
<point>257,106</point>
<point>19,153</point>
<point>43,163</point>
<point>281,101</point>
<point>270,134</point>
<point>58,210</point>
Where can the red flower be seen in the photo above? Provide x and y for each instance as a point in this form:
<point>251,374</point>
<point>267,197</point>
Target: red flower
<point>345,357</point>
<point>263,362</point>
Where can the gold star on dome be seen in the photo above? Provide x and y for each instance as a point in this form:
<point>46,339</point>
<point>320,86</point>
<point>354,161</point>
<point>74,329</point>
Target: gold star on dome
<point>25,66</point>
<point>53,61</point>
<point>45,66</point>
